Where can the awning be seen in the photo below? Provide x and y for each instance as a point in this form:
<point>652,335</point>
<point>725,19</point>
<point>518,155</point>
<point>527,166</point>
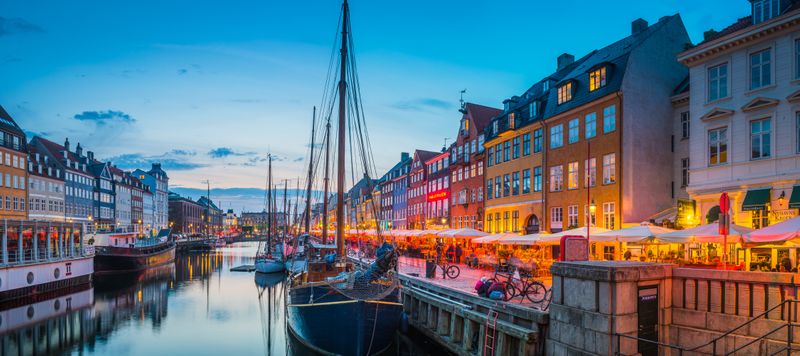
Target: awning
<point>794,200</point>
<point>756,199</point>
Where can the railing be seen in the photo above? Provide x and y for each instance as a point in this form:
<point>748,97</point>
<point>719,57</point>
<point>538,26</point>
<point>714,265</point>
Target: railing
<point>789,306</point>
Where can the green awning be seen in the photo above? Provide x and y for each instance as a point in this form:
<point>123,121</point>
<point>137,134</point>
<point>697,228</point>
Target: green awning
<point>756,199</point>
<point>794,200</point>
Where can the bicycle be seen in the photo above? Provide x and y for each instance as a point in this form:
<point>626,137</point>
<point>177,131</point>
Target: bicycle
<point>525,287</point>
<point>448,270</point>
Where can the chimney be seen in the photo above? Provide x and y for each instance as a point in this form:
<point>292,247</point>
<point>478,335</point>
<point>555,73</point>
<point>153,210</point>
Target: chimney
<point>709,34</point>
<point>564,60</point>
<point>638,25</point>
<point>90,155</point>
<point>66,144</point>
<point>79,150</point>
<point>404,156</point>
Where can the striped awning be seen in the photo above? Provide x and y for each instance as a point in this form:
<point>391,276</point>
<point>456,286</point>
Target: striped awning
<point>756,199</point>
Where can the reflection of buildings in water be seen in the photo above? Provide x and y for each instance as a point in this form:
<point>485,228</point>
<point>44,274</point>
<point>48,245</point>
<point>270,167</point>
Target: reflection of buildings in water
<point>132,296</point>
<point>198,266</point>
<point>49,326</point>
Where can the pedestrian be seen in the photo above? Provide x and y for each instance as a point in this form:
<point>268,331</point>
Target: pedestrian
<point>459,253</point>
<point>450,252</point>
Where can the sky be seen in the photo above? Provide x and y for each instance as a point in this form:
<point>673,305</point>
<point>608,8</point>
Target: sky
<point>208,88</point>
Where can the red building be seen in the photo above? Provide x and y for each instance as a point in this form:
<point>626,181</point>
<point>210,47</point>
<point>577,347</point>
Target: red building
<point>437,210</point>
<point>466,167</point>
<point>418,190</point>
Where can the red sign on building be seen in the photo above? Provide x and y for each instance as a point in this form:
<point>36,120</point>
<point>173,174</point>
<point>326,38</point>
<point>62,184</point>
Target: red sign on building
<point>440,195</point>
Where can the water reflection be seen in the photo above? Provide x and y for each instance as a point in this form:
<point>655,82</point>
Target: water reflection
<point>194,306</point>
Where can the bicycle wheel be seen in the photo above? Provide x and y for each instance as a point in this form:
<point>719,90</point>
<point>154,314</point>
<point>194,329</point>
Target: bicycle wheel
<point>535,291</point>
<point>453,272</point>
<point>548,297</point>
<point>511,291</point>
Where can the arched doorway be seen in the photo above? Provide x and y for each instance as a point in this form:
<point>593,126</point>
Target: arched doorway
<point>532,225</point>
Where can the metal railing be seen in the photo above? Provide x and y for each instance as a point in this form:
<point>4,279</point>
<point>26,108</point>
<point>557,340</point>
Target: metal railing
<point>791,322</point>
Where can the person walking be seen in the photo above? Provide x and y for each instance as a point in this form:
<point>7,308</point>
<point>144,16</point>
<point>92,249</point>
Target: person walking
<point>459,253</point>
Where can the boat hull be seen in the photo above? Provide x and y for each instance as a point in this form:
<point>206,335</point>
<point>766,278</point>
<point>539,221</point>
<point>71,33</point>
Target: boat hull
<point>38,280</point>
<point>340,325</point>
<point>123,260</point>
<point>269,266</point>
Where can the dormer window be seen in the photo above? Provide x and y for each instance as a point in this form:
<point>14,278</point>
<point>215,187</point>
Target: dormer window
<point>506,105</point>
<point>545,86</point>
<point>764,10</point>
<point>597,78</point>
<point>565,93</point>
<point>511,118</point>
<point>534,108</point>
<point>494,127</point>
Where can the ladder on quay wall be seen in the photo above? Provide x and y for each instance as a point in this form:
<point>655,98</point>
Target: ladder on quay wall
<point>790,306</point>
<point>489,338</point>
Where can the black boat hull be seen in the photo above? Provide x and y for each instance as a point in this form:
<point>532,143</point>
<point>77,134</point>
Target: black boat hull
<point>124,260</point>
<point>337,324</point>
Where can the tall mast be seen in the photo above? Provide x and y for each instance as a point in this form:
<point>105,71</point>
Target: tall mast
<point>341,137</point>
<point>326,182</point>
<point>285,209</point>
<point>310,173</point>
<point>269,203</point>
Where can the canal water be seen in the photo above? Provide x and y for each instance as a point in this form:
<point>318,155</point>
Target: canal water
<point>195,306</point>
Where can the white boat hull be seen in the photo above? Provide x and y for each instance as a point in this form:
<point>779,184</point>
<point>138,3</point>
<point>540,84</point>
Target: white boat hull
<point>269,265</point>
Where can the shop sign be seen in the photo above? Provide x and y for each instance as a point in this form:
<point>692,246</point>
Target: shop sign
<point>442,194</point>
<point>782,215</point>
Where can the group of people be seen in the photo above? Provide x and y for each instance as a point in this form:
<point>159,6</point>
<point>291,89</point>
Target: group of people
<point>453,252</point>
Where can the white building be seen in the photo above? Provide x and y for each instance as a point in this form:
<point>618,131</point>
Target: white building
<point>745,116</point>
<point>158,181</point>
<point>46,188</point>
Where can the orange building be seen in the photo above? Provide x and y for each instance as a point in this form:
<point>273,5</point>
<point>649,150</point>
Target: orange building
<point>13,169</point>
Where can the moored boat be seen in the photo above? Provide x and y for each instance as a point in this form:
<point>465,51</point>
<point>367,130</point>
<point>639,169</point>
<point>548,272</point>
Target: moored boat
<point>125,252</point>
<point>269,259</point>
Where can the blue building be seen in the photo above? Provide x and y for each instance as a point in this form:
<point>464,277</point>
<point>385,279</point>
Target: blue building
<point>103,199</point>
<point>397,189</point>
<point>78,180</point>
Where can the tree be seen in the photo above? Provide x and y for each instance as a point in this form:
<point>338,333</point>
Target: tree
<point>713,214</point>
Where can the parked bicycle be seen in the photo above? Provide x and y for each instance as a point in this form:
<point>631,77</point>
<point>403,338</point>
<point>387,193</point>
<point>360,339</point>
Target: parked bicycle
<point>525,287</point>
<point>448,269</point>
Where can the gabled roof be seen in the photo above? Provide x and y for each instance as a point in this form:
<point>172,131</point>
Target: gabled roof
<point>55,150</point>
<point>206,202</point>
<point>7,123</point>
<point>422,155</point>
<point>481,115</point>
<point>742,23</point>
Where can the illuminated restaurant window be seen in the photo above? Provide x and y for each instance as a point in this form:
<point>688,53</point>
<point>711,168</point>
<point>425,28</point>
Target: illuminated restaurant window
<point>565,93</point>
<point>572,175</point>
<point>597,79</point>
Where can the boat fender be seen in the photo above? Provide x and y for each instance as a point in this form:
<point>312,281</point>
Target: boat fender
<point>404,323</point>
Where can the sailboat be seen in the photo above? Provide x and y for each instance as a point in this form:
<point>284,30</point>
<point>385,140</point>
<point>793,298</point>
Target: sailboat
<point>334,306</point>
<point>267,260</point>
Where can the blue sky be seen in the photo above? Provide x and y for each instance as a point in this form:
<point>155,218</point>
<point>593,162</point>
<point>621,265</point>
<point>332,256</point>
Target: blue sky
<point>210,87</point>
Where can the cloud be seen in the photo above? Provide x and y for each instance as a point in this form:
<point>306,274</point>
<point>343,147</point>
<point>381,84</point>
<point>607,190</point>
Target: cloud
<point>298,159</point>
<point>423,104</point>
<point>11,26</point>
<point>169,161</point>
<point>222,152</point>
<point>31,134</point>
<point>102,117</point>
<point>182,71</point>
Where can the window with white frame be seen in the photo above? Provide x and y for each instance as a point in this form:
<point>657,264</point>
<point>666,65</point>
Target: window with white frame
<point>718,82</point>
<point>537,179</point>
<point>608,215</point>
<point>760,69</point>
<point>610,119</point>
<point>764,10</point>
<point>590,172</point>
<point>718,146</point>
<point>591,125</point>
<point>565,93</point>
<point>556,217</point>
<point>685,124</point>
<point>587,215</point>
<point>556,178</point>
<point>597,79</point>
<point>557,136</point>
<point>609,169</point>
<point>760,139</point>
<point>572,216</point>
<point>572,175</point>
<point>574,131</point>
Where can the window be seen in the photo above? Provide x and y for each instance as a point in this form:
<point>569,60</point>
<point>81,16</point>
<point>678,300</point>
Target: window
<point>490,156</point>
<point>685,124</point>
<point>511,120</point>
<point>764,10</point>
<point>759,139</point>
<point>609,169</point>
<point>684,172</point>
<point>572,216</point>
<point>557,136</point>
<point>515,153</point>
<point>718,82</point>
<point>574,132</point>
<point>515,221</point>
<point>526,181</point>
<point>609,119</point>
<point>480,168</point>
<point>759,219</point>
<point>760,74</point>
<point>534,109</point>
<point>597,79</point>
<point>589,215</point>
<point>489,222</point>
<point>537,140</point>
<point>556,218</point>
<point>480,143</point>
<point>565,93</point>
<point>526,144</point>
<point>608,216</point>
<point>796,59</point>
<point>515,183</point>
<point>718,146</point>
<point>497,183</point>
<point>797,132</point>
<point>506,151</point>
<point>590,172</point>
<point>572,175</point>
<point>591,125</point>
<point>537,179</point>
<point>498,149</point>
<point>556,178</point>
<point>497,225</point>
<point>506,185</point>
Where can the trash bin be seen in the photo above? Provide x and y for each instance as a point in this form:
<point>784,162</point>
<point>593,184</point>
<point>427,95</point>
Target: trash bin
<point>430,268</point>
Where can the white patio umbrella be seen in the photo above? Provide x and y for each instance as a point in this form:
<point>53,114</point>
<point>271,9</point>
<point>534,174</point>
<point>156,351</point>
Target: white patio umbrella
<point>708,233</point>
<point>524,240</point>
<point>780,232</point>
<point>639,233</point>
<point>555,239</point>
<point>492,238</point>
<point>463,233</point>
